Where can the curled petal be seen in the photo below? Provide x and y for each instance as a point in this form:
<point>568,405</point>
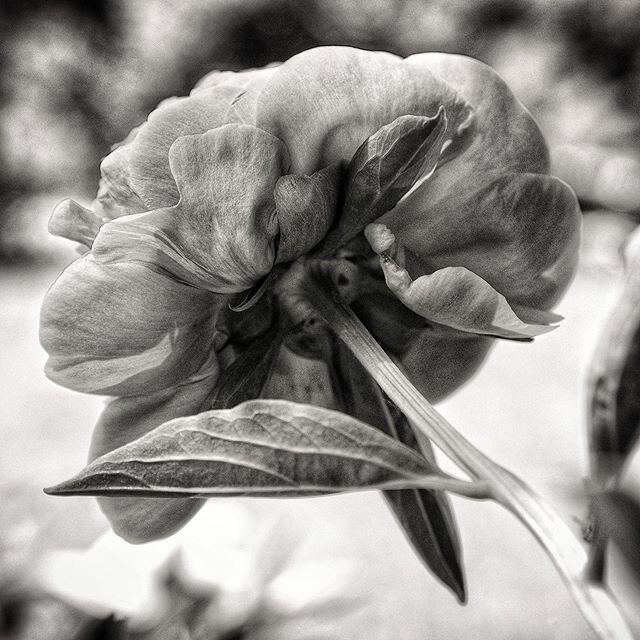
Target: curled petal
<point>124,329</point>
<point>74,222</point>
<point>221,235</point>
<point>136,177</point>
<point>490,207</point>
<point>519,232</point>
<point>116,195</point>
<point>324,102</point>
<point>126,419</point>
<point>306,207</point>
<point>453,296</point>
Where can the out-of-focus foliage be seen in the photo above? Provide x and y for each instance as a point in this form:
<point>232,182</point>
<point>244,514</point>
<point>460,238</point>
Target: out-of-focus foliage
<point>77,76</point>
<point>614,393</point>
<point>614,428</point>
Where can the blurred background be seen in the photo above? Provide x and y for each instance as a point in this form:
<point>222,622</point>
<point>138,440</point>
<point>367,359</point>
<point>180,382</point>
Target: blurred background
<point>75,77</point>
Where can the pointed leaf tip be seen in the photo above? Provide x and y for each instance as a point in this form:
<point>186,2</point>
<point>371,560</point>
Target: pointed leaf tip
<point>261,448</point>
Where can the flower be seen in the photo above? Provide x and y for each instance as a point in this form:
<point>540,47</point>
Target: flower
<point>238,568</point>
<point>219,192</point>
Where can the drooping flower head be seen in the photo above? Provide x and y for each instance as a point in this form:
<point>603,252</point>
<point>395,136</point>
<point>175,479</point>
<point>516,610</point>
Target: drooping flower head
<point>337,155</point>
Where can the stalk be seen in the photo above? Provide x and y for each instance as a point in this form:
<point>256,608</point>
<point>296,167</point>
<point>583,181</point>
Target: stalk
<point>502,486</point>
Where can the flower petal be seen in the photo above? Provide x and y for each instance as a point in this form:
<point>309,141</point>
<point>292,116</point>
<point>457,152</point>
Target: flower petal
<point>136,176</point>
<point>519,232</point>
<point>453,296</point>
<point>324,102</point>
<point>516,230</point>
<point>126,419</point>
<point>74,222</point>
<point>439,365</point>
<point>239,79</point>
<point>221,235</point>
<point>505,136</point>
<point>123,328</point>
<point>306,207</point>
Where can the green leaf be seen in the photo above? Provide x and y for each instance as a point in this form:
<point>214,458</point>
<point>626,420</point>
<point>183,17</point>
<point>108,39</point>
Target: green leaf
<point>259,448</point>
<point>425,516</point>
<point>383,169</point>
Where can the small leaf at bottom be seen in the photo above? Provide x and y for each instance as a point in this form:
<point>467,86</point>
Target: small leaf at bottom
<point>425,516</point>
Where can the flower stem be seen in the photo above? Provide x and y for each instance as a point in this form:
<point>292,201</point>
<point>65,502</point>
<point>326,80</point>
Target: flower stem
<point>564,549</point>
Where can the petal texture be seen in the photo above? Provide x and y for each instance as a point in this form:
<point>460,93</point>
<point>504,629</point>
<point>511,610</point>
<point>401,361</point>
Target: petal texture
<point>74,222</point>
<point>519,232</point>
<point>453,296</point>
<point>126,419</point>
<point>136,176</point>
<point>221,234</point>
<point>123,329</point>
<point>491,208</point>
<point>323,103</point>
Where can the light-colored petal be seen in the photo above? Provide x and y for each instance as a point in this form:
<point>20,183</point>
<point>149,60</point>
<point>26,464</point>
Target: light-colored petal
<point>136,176</point>
<point>505,136</point>
<point>74,222</point>
<point>519,232</point>
<point>239,79</point>
<point>123,328</point>
<point>221,235</point>
<point>453,296</point>
<point>489,208</point>
<point>126,419</point>
<point>324,102</point>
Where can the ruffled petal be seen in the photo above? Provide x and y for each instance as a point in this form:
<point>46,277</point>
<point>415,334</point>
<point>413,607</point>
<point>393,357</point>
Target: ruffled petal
<point>489,208</point>
<point>125,419</point>
<point>519,232</point>
<point>453,296</point>
<point>323,103</point>
<point>136,176</point>
<point>221,235</point>
<point>124,329</point>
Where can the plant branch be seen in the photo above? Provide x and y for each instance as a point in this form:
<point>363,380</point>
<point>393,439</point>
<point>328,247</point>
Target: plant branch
<point>549,529</point>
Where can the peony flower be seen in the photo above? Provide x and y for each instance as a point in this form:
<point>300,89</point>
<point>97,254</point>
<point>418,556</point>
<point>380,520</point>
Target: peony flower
<point>237,187</point>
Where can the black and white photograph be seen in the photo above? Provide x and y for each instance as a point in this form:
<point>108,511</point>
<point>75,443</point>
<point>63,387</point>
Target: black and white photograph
<point>320,320</point>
